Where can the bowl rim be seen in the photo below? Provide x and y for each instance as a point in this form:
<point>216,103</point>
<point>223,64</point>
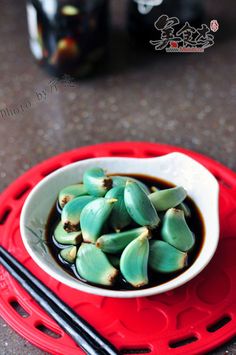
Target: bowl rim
<point>181,279</point>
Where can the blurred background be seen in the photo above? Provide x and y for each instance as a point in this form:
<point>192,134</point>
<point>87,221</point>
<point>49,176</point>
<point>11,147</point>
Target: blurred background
<point>138,93</point>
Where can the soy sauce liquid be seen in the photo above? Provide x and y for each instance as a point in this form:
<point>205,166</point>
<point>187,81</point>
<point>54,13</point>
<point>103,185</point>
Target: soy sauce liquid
<point>69,37</point>
<point>195,223</point>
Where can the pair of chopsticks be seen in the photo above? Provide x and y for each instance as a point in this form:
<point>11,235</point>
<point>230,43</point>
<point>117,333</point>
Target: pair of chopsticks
<point>75,326</point>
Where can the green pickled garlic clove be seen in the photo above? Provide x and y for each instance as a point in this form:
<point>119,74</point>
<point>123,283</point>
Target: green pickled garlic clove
<point>168,198</point>
<point>116,242</point>
<point>96,182</point>
<point>70,192</point>
<point>69,254</point>
<point>122,180</point>
<point>65,238</point>
<point>94,216</point>
<point>70,216</point>
<point>175,230</point>
<point>139,206</point>
<point>184,207</point>
<point>165,258</point>
<point>134,261</point>
<point>93,265</point>
<point>119,217</point>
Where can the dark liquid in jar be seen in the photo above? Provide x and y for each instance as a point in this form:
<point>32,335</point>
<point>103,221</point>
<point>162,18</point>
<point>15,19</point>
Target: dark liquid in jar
<point>69,37</point>
<point>195,223</point>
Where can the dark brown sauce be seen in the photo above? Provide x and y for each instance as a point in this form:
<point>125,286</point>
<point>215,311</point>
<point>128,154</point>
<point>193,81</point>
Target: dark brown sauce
<point>195,223</point>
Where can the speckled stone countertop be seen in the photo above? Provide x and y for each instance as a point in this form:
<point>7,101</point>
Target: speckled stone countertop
<point>185,100</point>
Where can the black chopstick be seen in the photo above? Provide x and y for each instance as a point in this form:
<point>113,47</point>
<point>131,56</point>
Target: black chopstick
<point>85,327</point>
<point>43,302</point>
<point>82,332</point>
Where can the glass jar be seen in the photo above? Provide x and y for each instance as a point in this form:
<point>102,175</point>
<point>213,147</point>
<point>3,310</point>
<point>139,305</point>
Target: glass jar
<point>68,36</point>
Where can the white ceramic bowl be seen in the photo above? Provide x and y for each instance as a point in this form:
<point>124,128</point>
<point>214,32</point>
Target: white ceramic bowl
<point>176,168</point>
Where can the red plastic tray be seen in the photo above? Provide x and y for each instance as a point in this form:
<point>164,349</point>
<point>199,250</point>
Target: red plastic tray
<point>192,319</point>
